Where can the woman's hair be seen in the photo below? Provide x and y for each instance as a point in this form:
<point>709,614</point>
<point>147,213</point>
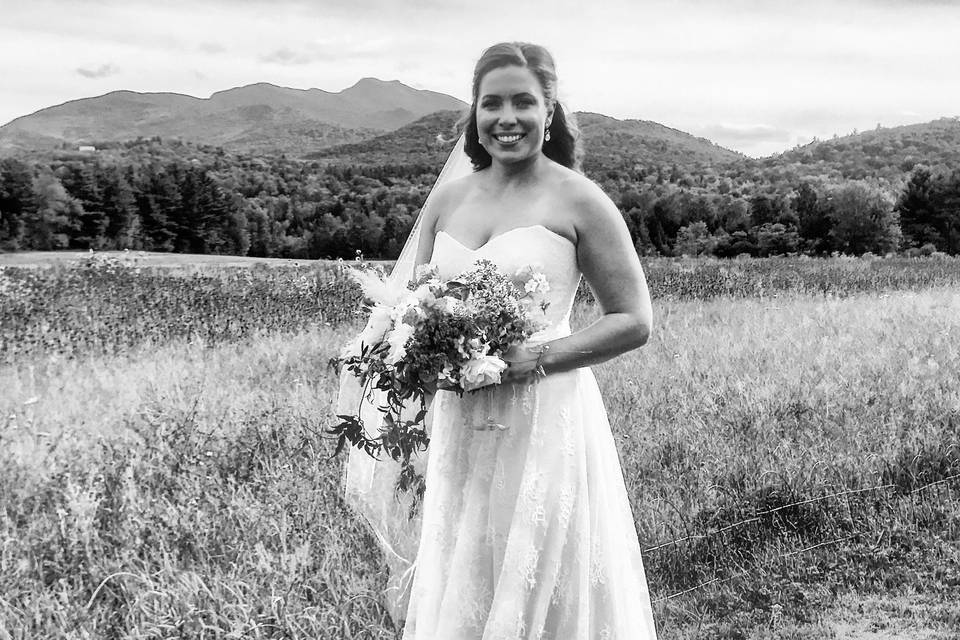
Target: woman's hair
<point>564,144</point>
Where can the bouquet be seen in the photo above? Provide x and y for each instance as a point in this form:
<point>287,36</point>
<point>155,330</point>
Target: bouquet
<point>431,335</point>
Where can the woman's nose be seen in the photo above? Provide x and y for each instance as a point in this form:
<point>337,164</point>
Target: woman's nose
<point>508,116</point>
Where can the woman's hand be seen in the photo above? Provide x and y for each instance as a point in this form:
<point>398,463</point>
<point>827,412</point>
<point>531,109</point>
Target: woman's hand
<point>521,364</point>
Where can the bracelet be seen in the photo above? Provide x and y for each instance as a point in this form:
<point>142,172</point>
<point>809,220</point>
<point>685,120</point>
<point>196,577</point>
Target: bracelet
<point>538,371</point>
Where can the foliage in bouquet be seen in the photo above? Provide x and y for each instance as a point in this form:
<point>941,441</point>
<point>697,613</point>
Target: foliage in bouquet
<point>432,335</point>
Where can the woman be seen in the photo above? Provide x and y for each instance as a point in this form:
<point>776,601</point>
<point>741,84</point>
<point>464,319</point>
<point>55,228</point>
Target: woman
<point>527,531</point>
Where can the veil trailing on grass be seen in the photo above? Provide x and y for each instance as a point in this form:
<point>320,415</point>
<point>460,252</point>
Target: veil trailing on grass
<point>369,484</point>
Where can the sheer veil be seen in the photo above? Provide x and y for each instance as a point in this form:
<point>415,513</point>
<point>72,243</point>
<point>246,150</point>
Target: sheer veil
<point>368,484</point>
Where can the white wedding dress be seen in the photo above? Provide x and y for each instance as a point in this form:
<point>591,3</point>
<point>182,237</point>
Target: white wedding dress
<point>527,532</point>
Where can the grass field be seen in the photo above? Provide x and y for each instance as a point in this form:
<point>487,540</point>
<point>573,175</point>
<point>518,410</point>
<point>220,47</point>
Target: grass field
<point>802,449</point>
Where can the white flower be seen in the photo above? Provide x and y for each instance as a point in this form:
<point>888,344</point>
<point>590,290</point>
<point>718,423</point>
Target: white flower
<point>406,304</point>
<point>481,371</point>
<point>448,374</point>
<point>423,292</point>
<point>472,348</point>
<point>379,321</point>
<point>537,283</point>
<point>426,270</point>
<point>398,339</point>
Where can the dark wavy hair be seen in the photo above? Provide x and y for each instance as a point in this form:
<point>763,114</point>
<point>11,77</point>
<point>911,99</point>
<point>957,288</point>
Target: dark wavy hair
<point>564,144</point>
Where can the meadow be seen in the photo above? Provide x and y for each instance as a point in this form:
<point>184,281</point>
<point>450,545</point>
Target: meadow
<point>790,440</point>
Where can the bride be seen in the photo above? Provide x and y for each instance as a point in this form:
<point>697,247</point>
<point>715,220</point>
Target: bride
<point>525,529</point>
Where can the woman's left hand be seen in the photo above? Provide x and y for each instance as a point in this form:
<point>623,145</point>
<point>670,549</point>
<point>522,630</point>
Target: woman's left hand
<point>521,363</point>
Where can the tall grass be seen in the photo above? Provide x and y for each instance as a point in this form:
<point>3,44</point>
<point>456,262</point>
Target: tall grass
<point>183,489</point>
<point>106,304</point>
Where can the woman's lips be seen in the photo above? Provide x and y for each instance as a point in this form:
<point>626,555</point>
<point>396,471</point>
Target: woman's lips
<point>508,138</point>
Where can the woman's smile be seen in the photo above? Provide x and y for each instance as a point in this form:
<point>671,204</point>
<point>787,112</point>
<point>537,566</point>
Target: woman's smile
<point>508,139</point>
<point>511,114</point>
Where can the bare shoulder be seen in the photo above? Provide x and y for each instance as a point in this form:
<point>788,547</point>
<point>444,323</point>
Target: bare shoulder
<point>447,197</point>
<point>585,203</point>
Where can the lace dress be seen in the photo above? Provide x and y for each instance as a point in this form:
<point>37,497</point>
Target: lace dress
<point>527,532</point>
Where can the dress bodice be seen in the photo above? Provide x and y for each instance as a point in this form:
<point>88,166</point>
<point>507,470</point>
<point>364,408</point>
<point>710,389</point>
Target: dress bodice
<point>555,255</point>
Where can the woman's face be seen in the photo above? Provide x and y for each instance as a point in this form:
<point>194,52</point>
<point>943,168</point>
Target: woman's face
<point>511,114</point>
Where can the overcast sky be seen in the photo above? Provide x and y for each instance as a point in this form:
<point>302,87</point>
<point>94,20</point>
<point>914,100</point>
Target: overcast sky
<point>755,76</point>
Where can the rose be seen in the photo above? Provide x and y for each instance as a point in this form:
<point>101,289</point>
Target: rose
<point>537,283</point>
<point>481,371</point>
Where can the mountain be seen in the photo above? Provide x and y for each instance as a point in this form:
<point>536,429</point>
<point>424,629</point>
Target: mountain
<point>258,118</point>
<point>386,122</point>
<point>886,153</point>
<point>609,143</point>
<point>414,144</point>
<point>623,144</point>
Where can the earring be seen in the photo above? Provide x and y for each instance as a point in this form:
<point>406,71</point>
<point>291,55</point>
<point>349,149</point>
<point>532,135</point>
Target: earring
<point>546,135</point>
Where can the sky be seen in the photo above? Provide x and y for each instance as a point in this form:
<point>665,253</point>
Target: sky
<point>755,76</point>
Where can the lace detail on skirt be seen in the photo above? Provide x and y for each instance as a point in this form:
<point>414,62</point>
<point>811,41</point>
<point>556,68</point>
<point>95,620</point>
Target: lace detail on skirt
<point>528,532</point>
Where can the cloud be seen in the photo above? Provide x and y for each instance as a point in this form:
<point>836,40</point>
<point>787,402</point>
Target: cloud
<point>285,56</point>
<point>329,51</point>
<point>103,71</point>
<point>745,133</point>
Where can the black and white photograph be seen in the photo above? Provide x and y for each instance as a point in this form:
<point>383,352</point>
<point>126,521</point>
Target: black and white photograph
<point>465,320</point>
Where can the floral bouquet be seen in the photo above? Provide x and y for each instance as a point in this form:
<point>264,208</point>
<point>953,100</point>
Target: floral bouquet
<point>431,335</point>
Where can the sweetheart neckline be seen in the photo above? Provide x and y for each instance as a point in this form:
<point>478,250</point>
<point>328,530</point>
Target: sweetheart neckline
<point>508,231</point>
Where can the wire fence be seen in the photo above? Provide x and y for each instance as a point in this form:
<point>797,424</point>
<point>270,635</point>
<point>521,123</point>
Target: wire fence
<point>801,527</point>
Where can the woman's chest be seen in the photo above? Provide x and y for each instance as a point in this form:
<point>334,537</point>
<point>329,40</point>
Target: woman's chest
<point>476,220</point>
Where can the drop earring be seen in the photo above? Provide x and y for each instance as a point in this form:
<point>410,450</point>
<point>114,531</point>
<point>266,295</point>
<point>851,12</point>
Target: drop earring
<point>546,135</point>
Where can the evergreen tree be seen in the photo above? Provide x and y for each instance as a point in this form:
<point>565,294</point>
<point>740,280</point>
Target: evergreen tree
<point>948,215</point>
<point>918,211</point>
<point>16,202</point>
<point>813,223</point>
<point>120,210</point>
<point>158,202</point>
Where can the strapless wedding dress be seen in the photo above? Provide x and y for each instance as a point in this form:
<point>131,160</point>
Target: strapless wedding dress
<point>527,532</point>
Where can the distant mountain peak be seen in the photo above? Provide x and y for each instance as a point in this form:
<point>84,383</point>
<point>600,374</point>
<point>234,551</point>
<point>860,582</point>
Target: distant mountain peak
<point>257,115</point>
<point>377,81</point>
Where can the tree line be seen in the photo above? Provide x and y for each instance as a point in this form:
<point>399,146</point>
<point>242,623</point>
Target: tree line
<point>157,196</point>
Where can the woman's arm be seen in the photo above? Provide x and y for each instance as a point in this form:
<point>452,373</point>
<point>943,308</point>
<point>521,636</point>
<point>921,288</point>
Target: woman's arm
<point>428,230</point>
<point>611,267</point>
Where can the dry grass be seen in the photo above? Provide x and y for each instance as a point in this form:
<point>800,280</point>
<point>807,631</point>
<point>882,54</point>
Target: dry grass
<point>184,490</point>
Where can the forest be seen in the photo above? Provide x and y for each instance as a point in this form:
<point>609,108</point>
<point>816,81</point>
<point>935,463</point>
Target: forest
<point>172,196</point>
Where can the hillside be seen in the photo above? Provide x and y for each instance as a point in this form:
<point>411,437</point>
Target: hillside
<point>609,144</point>
<point>416,143</point>
<point>887,154</point>
<point>623,144</point>
<point>258,118</point>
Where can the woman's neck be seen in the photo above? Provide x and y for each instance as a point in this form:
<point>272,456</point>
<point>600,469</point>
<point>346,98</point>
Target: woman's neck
<point>517,173</point>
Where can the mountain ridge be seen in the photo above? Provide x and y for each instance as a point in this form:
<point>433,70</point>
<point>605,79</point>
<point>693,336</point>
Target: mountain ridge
<point>388,122</point>
<point>258,117</point>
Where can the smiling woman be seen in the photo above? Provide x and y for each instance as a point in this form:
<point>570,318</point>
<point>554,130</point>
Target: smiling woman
<point>526,530</point>
<point>515,94</point>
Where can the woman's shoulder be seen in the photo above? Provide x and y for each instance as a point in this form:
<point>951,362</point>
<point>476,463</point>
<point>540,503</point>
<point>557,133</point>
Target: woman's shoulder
<point>581,195</point>
<point>452,192</point>
<point>446,196</point>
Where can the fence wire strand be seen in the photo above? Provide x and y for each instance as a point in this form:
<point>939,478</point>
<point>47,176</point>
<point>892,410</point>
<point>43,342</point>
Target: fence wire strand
<point>887,499</point>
